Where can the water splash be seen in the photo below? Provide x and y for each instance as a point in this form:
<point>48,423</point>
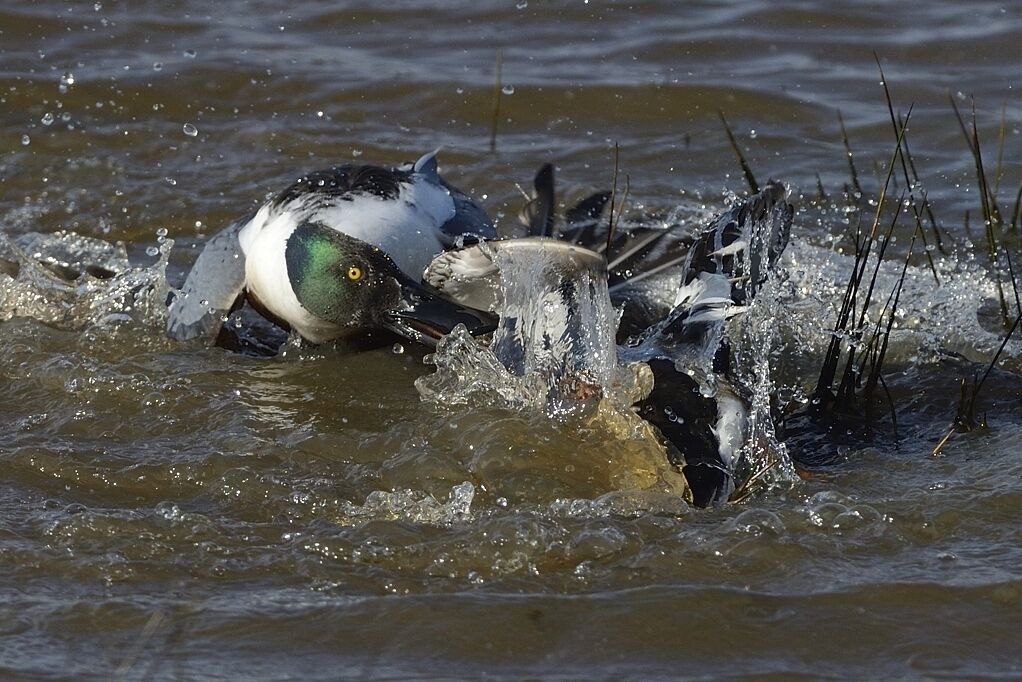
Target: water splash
<point>755,335</point>
<point>72,282</point>
<point>411,506</point>
<point>930,320</point>
<point>557,324</point>
<point>554,348</point>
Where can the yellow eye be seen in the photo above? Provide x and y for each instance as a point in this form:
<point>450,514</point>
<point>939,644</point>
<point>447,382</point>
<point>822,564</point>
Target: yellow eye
<point>354,273</point>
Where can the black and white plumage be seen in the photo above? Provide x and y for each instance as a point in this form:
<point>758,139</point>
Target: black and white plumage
<point>700,412</point>
<point>408,214</point>
<point>699,409</point>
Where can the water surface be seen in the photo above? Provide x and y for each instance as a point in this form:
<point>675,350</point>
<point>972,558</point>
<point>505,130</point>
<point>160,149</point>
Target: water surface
<point>169,511</point>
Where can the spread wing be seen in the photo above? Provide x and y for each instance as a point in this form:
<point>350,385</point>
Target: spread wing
<point>214,284</point>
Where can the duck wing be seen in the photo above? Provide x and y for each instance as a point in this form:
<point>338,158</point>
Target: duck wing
<point>213,287</point>
<point>632,254</point>
<point>469,222</point>
<point>723,269</point>
<point>742,244</point>
<point>694,404</point>
<point>468,275</point>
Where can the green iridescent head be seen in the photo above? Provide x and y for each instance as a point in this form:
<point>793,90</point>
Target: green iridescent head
<point>356,285</point>
<point>341,279</point>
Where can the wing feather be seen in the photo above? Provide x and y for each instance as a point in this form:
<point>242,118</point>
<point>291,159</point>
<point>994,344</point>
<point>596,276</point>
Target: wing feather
<point>214,284</point>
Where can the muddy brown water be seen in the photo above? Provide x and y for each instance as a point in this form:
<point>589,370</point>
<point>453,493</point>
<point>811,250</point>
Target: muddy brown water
<point>174,512</point>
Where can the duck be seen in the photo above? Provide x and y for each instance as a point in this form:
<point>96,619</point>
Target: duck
<point>698,406</point>
<point>338,254</point>
<point>634,258</point>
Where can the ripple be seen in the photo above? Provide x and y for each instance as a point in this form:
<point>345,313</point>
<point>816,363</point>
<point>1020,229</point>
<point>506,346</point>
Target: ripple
<point>177,512</point>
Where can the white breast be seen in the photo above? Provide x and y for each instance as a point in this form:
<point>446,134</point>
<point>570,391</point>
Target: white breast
<point>263,241</point>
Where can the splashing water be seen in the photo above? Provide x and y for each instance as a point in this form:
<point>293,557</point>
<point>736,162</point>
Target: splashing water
<point>554,348</point>
<point>73,282</point>
<point>560,326</point>
<point>763,455</point>
<point>410,506</point>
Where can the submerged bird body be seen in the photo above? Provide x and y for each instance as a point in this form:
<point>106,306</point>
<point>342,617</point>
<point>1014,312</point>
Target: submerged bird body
<point>339,251</point>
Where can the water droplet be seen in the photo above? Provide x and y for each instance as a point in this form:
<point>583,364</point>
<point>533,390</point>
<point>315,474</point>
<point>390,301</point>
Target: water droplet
<point>26,140</point>
<point>152,251</point>
<point>157,66</point>
<point>189,130</point>
<point>398,349</point>
<point>65,117</point>
<point>170,181</point>
<point>319,114</point>
<point>47,119</point>
<point>508,89</point>
<point>356,153</point>
<point>190,54</point>
<point>523,4</point>
<point>66,81</point>
<point>97,6</point>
